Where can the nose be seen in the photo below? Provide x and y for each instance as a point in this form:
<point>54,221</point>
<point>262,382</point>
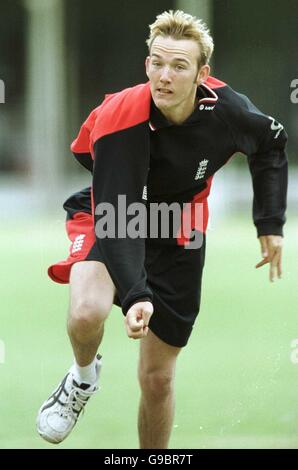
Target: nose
<point>165,75</point>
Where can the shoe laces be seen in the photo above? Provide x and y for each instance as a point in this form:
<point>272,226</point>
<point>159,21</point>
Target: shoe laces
<point>76,402</point>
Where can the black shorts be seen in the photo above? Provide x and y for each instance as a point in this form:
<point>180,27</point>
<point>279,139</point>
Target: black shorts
<point>174,273</point>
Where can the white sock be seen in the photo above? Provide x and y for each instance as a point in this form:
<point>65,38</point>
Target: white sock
<point>86,374</point>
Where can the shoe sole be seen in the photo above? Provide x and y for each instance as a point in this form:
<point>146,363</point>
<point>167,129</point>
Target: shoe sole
<point>47,438</point>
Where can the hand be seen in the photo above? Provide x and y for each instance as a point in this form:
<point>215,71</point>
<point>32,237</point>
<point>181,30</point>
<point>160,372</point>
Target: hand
<point>271,247</point>
<point>137,319</point>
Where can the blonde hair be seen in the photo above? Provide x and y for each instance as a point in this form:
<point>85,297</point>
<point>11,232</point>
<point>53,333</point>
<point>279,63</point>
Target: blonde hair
<point>180,25</point>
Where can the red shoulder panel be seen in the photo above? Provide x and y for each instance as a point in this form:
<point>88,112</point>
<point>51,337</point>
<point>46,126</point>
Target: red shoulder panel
<point>213,83</point>
<point>82,143</point>
<point>122,110</point>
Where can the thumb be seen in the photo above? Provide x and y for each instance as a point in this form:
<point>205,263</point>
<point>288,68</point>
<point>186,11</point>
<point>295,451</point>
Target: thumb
<point>147,311</point>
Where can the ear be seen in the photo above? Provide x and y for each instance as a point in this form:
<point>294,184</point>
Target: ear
<point>147,65</point>
<point>203,74</point>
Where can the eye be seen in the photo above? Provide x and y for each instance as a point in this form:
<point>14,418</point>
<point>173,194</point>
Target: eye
<point>180,67</point>
<point>156,64</point>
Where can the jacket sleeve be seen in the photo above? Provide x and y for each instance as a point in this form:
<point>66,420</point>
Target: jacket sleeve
<point>263,140</point>
<point>80,147</point>
<point>121,162</point>
<point>85,160</point>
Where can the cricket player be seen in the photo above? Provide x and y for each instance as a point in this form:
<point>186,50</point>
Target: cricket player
<point>159,142</point>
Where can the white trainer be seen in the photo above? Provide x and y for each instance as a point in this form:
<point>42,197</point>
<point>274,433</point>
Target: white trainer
<point>59,414</point>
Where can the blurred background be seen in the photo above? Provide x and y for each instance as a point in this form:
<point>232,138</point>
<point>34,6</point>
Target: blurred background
<point>58,58</point>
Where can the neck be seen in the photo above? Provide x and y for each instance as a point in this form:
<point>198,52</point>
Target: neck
<point>179,114</point>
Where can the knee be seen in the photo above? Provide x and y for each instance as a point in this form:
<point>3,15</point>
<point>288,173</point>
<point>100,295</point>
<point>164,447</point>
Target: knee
<point>88,316</point>
<point>156,385</point>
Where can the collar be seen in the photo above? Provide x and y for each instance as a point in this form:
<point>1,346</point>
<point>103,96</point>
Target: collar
<point>206,100</point>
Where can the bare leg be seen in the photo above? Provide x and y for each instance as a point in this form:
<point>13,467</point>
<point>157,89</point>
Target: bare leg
<point>157,403</point>
<point>91,299</point>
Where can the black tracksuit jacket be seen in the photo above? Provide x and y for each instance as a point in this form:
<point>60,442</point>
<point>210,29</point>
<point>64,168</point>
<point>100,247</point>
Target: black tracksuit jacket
<point>177,163</point>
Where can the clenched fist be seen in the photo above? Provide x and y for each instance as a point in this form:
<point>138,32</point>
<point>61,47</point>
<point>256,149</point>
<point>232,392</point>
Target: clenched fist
<point>137,319</point>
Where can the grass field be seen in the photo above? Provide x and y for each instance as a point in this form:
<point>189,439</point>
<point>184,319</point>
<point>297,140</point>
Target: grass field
<point>236,384</point>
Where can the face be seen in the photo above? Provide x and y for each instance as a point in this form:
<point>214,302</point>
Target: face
<point>172,69</point>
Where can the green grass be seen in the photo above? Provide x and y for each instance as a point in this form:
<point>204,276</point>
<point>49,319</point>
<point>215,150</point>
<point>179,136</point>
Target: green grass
<point>236,385</point>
